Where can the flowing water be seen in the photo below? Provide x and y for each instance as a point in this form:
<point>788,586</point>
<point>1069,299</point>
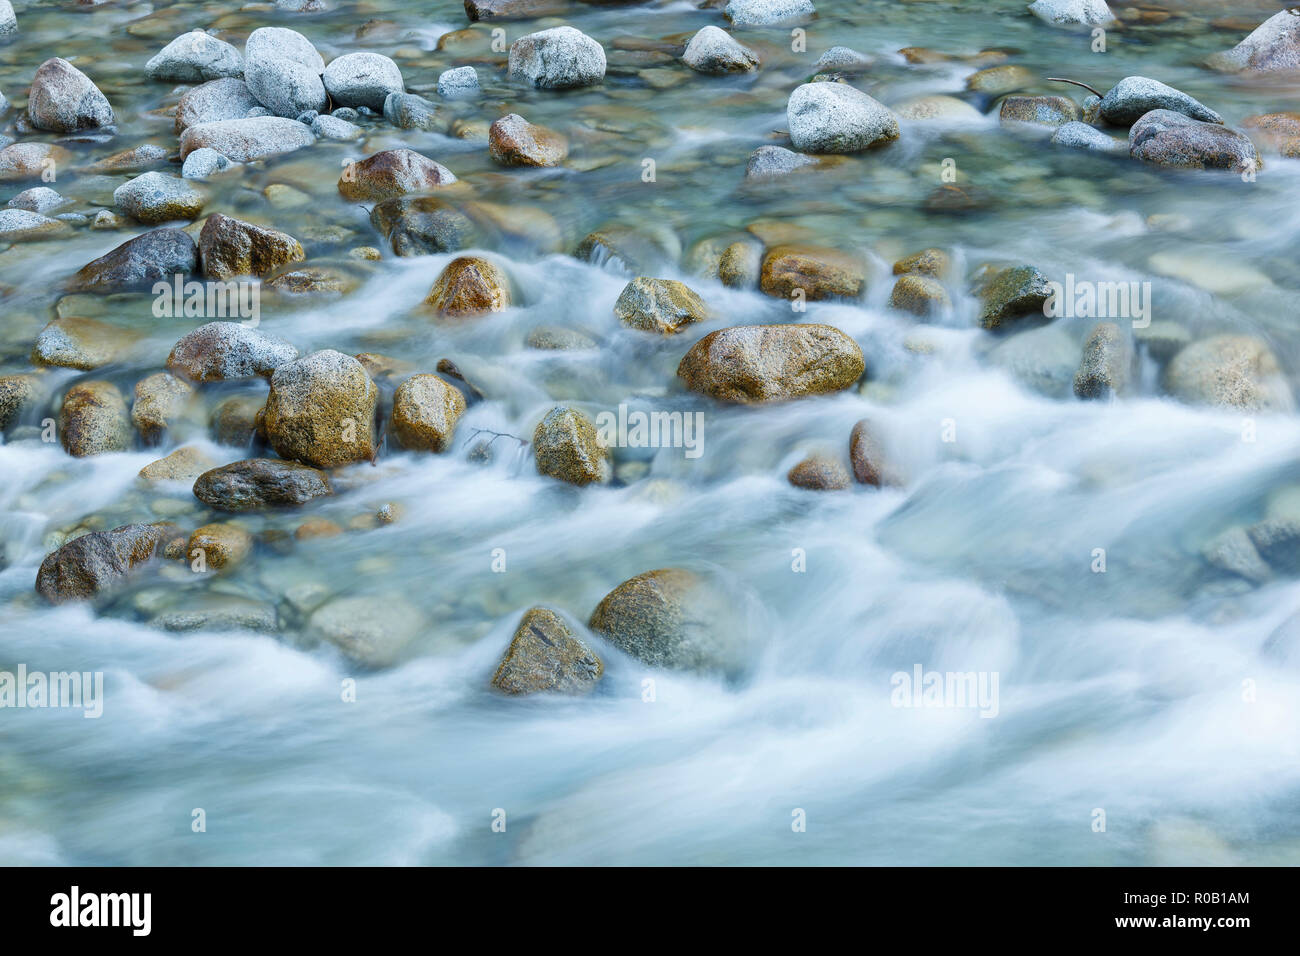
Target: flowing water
<point>1150,692</point>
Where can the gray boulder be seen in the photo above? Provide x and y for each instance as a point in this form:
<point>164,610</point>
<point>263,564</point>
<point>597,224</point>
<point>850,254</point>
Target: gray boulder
<point>225,99</point>
<point>137,264</point>
<point>460,83</point>
<point>195,57</point>
<point>1082,136</point>
<point>157,197</point>
<point>836,118</point>
<point>1134,96</point>
<point>1166,138</point>
<point>556,59</point>
<point>362,79</point>
<point>1274,46</point>
<point>714,50</point>
<point>64,100</point>
<point>762,13</point>
<point>246,140</point>
<point>1084,12</point>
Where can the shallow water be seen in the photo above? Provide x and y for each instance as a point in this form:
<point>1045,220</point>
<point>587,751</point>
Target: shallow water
<point>1121,691</point>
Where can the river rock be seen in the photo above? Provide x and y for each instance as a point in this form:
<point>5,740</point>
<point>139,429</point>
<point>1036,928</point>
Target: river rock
<point>1004,78</point>
<point>137,264</point>
<point>41,199</point>
<point>286,87</point>
<point>80,343</point>
<point>836,118</point>
<point>631,249</point>
<point>1038,110</point>
<point>94,420</point>
<point>204,163</point>
<point>1274,46</point>
<point>459,83</point>
<point>556,59</point>
<point>715,51</point>
<point>764,13</point>
<point>409,111</point>
<point>137,159</point>
<point>1277,131</point>
<point>155,198</point>
<point>819,473</point>
<point>670,618</point>
<point>184,464</point>
<point>567,447</point>
<point>514,9</point>
<point>95,562</point>
<point>8,19</point>
<point>31,161</point>
<point>920,295</point>
<point>222,544</point>
<point>1134,96</point>
<point>1086,12</point>
<point>740,265</point>
<point>18,394</point>
<point>1107,364</point>
<point>160,400</point>
<point>544,655</point>
<point>1167,138</point>
<point>195,57</point>
<point>867,455</point>
<point>768,363</point>
<point>235,420</point>
<point>422,225</point>
<point>20,225</point>
<point>513,141</point>
<point>225,351</point>
<point>928,262</point>
<point>1233,551</point>
<point>1230,371</point>
<point>224,99</point>
<point>257,483</point>
<point>1083,136</point>
<point>370,630</point>
<point>425,412</point>
<point>279,43</point>
<point>321,410</point>
<point>843,59</point>
<point>659,305</point>
<point>249,139</point>
<point>468,286</point>
<point>773,162</point>
<point>331,127</point>
<point>362,79</point>
<point>393,172</point>
<point>813,271</point>
<point>63,99</point>
<point>231,247</point>
<point>937,107</point>
<point>1010,293</point>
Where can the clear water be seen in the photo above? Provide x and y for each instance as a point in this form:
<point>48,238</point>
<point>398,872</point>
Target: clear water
<point>1120,691</point>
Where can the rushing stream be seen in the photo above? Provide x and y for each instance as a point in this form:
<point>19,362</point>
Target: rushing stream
<point>1053,546</point>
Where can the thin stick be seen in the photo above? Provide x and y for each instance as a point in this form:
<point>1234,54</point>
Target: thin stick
<point>1059,79</point>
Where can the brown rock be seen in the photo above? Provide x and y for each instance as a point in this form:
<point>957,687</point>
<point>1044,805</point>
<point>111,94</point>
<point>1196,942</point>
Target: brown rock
<point>819,473</point>
<point>222,544</point>
<point>425,412</point>
<point>321,410</point>
<point>159,400</point>
<point>184,464</point>
<point>870,467</point>
<point>920,295</point>
<point>513,141</point>
<point>767,363</point>
<point>94,420</point>
<point>659,305</point>
<point>470,285</point>
<point>544,655</point>
<point>391,173</point>
<point>567,447</point>
<point>928,262</point>
<point>821,273</point>
<point>231,247</point>
<point>317,527</point>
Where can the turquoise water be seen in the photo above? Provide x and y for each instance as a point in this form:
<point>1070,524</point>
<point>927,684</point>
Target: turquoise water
<point>1120,691</point>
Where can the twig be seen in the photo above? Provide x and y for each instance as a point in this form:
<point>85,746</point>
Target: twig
<point>1060,79</point>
